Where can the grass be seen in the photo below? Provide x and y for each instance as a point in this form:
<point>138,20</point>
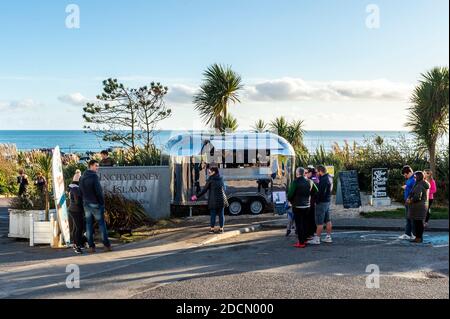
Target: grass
<point>399,213</point>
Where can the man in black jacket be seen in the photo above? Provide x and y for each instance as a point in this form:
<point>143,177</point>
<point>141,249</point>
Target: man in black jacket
<point>94,205</point>
<point>323,206</point>
<point>299,195</point>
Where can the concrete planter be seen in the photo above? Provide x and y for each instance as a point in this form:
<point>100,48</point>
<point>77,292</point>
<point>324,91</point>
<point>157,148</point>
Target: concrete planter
<point>19,221</point>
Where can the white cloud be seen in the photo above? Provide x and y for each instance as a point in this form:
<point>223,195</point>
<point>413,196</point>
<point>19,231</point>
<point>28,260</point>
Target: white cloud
<point>181,93</point>
<point>296,89</point>
<point>76,99</point>
<point>17,105</point>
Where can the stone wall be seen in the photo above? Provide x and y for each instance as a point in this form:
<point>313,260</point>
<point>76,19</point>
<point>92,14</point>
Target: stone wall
<point>150,185</point>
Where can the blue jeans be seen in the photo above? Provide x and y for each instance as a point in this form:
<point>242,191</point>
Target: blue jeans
<point>221,213</point>
<point>409,228</point>
<point>96,211</point>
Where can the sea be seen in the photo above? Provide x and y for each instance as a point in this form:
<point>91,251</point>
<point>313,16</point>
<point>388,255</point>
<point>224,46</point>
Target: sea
<point>81,142</point>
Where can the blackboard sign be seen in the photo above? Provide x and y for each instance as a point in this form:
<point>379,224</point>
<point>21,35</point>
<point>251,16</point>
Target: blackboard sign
<point>379,182</point>
<point>349,185</point>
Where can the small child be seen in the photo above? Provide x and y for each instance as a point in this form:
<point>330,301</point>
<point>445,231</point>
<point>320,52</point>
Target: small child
<point>291,221</point>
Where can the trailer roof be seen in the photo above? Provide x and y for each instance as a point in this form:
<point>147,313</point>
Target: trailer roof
<point>192,144</point>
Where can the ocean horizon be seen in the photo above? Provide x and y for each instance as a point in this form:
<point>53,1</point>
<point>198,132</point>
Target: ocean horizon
<point>77,141</point>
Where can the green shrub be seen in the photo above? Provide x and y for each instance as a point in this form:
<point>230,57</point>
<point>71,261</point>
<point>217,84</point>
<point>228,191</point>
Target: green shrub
<point>8,173</point>
<point>122,213</point>
<point>376,153</point>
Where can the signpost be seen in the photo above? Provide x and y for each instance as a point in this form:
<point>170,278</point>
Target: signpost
<point>349,188</point>
<point>149,185</point>
<point>60,195</point>
<point>379,187</point>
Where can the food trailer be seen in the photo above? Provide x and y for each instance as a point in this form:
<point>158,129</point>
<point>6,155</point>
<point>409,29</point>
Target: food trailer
<point>257,168</point>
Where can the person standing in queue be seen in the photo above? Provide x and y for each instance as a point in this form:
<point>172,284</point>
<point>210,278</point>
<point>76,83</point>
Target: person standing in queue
<point>417,203</point>
<point>408,174</point>
<point>311,174</point>
<point>94,205</point>
<point>323,214</point>
<point>217,199</point>
<point>76,213</point>
<point>433,189</point>
<point>299,195</point>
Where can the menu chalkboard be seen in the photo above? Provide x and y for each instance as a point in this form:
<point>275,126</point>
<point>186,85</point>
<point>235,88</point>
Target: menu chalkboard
<point>351,196</point>
<point>379,182</point>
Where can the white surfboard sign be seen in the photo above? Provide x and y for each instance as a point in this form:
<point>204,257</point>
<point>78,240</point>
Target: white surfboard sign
<point>59,192</point>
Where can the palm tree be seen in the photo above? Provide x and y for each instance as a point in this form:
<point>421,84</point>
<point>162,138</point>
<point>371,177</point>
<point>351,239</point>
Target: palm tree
<point>229,124</point>
<point>44,163</point>
<point>220,87</point>
<point>260,126</point>
<point>295,135</point>
<point>280,126</point>
<point>429,113</point>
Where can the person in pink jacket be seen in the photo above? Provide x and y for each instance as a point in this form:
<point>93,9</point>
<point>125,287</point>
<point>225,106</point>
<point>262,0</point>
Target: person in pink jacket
<point>429,178</point>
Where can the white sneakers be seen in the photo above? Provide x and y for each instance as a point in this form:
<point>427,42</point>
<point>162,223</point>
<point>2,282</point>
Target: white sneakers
<point>316,240</point>
<point>328,239</point>
<point>407,237</point>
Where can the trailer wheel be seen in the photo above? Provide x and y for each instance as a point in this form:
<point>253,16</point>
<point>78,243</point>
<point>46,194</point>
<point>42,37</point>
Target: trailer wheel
<point>256,207</point>
<point>235,207</point>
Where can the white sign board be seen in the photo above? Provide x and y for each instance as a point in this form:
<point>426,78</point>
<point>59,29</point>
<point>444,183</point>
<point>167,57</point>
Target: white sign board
<point>59,193</point>
<point>379,182</point>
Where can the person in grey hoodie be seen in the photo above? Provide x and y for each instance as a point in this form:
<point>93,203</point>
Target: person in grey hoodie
<point>94,205</point>
<point>418,205</point>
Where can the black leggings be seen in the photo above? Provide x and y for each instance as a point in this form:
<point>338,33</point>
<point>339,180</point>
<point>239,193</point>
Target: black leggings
<point>418,226</point>
<point>76,223</point>
<point>430,202</point>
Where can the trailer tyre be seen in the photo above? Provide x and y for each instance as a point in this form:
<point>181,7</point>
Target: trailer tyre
<point>256,207</point>
<point>235,207</point>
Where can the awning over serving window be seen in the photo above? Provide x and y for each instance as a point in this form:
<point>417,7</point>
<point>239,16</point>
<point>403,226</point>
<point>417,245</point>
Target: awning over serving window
<point>192,144</point>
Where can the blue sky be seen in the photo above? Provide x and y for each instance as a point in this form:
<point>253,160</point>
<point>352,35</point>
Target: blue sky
<point>312,60</point>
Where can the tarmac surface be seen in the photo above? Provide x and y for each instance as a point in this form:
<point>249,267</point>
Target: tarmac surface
<point>189,263</point>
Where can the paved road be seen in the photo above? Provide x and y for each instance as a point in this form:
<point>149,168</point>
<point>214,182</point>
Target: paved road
<point>255,265</point>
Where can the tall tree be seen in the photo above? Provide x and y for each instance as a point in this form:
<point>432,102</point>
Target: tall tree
<point>220,88</point>
<point>127,115</point>
<point>429,113</point>
<point>114,117</point>
<point>151,110</point>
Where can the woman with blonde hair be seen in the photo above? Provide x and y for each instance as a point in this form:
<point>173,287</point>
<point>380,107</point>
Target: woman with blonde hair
<point>433,189</point>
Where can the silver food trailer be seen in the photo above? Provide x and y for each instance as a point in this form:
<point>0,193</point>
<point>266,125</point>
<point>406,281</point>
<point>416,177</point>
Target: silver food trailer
<point>257,168</point>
